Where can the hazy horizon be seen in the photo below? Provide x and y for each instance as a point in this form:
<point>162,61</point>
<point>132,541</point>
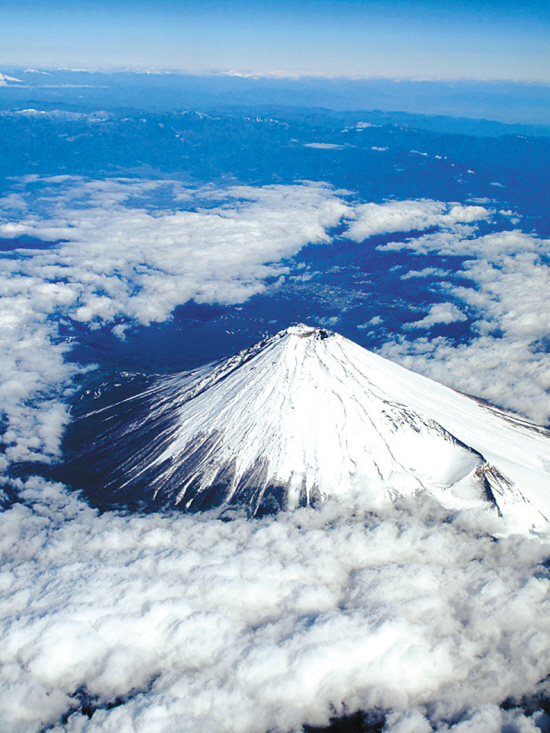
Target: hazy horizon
<point>275,74</point>
<point>397,39</point>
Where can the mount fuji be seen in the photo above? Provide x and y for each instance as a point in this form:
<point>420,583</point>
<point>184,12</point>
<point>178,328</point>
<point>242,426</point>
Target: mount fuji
<point>307,415</point>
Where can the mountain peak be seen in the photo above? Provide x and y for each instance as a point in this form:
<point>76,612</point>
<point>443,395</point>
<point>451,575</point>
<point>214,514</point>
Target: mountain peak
<point>303,331</point>
<point>306,415</point>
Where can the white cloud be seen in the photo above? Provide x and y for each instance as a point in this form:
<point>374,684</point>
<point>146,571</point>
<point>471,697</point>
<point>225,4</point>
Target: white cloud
<point>323,146</point>
<point>438,313</point>
<point>328,322</point>
<point>13,201</point>
<point>34,374</point>
<point>425,272</point>
<point>123,256</point>
<point>374,321</point>
<point>511,312</point>
<point>405,216</point>
<point>453,243</point>
<point>248,626</point>
<point>125,260</point>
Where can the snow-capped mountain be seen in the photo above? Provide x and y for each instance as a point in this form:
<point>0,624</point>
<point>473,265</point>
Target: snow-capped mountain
<point>306,415</point>
<point>7,80</point>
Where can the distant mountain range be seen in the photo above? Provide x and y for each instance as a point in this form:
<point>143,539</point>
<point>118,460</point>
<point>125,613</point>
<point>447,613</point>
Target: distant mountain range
<point>514,103</point>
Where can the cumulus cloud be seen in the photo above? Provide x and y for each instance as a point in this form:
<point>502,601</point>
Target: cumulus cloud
<point>35,376</point>
<point>141,262</point>
<point>507,303</point>
<point>374,321</point>
<point>425,272</point>
<point>118,253</point>
<point>405,216</point>
<point>508,362</point>
<point>438,313</point>
<point>174,622</point>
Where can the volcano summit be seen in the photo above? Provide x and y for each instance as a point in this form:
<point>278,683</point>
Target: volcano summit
<point>307,415</point>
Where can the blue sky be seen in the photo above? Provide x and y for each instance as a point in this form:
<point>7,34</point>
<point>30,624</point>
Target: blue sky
<point>427,39</point>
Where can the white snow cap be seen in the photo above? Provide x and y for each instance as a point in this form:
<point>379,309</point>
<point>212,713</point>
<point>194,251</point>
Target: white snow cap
<point>307,414</point>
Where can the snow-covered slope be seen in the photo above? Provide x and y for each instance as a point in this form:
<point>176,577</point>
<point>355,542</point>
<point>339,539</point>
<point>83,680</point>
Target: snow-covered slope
<point>308,414</point>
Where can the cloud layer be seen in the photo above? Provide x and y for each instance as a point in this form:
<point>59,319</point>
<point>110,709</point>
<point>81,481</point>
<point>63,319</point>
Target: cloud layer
<point>195,624</point>
<point>166,623</point>
<point>406,216</point>
<point>119,256</point>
